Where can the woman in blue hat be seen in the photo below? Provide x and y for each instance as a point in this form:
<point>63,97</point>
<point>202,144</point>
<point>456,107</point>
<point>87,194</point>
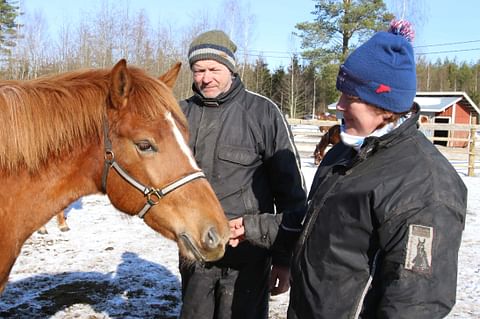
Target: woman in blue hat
<point>386,210</point>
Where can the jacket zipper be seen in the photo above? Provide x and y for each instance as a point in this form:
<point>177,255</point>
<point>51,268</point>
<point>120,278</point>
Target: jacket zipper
<point>367,287</point>
<point>198,131</point>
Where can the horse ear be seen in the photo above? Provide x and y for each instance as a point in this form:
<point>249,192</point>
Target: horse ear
<point>120,84</point>
<point>171,75</point>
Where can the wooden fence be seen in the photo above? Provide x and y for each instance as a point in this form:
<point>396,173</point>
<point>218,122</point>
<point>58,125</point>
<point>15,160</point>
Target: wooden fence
<point>457,142</point>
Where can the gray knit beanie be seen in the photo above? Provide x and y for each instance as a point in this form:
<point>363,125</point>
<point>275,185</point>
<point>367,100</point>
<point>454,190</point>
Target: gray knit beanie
<point>213,45</point>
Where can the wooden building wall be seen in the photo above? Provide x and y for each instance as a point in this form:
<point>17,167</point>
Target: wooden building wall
<point>458,114</point>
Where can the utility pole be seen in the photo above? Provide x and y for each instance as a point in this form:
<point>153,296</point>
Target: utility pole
<point>313,104</point>
<point>292,108</point>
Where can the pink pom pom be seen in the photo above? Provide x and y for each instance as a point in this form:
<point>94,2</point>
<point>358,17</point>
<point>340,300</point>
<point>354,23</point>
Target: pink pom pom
<point>403,28</point>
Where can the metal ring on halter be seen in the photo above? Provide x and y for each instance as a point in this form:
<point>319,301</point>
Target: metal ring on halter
<point>109,155</point>
<point>154,196</point>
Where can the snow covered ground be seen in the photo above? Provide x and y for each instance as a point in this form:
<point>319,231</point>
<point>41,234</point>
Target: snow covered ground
<point>113,266</point>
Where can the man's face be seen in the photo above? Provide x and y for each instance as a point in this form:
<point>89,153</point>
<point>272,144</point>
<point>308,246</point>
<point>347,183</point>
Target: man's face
<point>211,78</point>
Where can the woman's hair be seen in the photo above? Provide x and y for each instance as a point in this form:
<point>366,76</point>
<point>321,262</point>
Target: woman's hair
<point>415,108</point>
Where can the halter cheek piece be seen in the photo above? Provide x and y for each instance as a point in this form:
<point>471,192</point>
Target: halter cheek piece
<point>153,195</point>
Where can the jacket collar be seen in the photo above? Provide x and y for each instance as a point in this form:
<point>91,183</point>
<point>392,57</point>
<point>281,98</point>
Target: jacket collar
<point>372,143</point>
<point>236,87</point>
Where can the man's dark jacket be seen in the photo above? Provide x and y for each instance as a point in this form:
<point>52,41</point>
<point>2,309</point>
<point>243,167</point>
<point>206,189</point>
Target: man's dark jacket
<point>243,143</point>
<point>382,232</point>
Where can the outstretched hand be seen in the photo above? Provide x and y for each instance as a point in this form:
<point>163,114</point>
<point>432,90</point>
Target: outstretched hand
<point>237,231</point>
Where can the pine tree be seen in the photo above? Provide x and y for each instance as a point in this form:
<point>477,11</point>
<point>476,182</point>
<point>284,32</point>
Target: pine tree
<point>328,38</point>
<point>8,26</point>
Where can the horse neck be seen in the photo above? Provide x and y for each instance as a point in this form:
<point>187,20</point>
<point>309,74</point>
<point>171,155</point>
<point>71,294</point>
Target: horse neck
<point>324,141</point>
<point>39,196</point>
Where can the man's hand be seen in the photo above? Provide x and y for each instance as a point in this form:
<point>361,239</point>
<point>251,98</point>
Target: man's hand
<point>237,231</point>
<point>279,280</point>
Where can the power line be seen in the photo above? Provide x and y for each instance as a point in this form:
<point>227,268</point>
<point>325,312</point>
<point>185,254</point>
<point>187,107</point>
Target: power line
<point>263,51</point>
<point>302,58</point>
<point>288,54</point>
<point>449,51</point>
<point>445,44</point>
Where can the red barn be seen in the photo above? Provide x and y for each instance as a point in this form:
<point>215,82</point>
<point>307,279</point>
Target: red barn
<point>450,108</point>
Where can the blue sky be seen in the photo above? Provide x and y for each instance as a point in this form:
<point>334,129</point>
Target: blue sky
<point>440,23</point>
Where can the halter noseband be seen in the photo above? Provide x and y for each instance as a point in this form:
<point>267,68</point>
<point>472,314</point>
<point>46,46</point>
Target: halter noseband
<point>153,195</point>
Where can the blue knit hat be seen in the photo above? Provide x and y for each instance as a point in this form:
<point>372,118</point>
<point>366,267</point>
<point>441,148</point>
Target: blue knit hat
<point>382,70</point>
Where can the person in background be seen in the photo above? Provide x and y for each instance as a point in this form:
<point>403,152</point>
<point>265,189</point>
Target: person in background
<point>386,208</point>
<point>244,145</point>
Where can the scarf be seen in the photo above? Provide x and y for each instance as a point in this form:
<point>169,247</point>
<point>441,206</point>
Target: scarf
<point>357,141</point>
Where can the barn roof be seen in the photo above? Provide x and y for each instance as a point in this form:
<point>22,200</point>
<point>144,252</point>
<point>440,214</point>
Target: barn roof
<point>438,101</point>
<point>436,104</point>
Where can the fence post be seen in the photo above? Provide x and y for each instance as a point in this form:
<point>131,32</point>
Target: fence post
<point>471,152</point>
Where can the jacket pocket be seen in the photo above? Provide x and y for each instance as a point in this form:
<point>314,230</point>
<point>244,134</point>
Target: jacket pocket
<point>235,175</point>
<point>238,155</point>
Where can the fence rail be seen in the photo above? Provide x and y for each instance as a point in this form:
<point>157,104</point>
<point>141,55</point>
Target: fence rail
<point>457,142</point>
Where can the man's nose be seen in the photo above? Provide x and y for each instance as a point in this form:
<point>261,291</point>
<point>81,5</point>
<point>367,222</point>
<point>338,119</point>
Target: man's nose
<point>207,76</point>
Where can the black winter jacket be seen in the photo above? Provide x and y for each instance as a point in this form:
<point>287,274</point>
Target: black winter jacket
<point>382,232</point>
<point>243,143</point>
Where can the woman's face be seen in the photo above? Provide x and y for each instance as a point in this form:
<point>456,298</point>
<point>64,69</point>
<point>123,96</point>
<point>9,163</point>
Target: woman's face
<point>360,118</point>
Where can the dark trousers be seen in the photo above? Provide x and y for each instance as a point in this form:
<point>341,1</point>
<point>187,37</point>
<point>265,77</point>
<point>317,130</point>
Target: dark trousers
<point>211,292</point>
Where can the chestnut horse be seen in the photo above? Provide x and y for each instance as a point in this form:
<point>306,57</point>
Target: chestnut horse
<point>115,131</point>
<point>330,137</point>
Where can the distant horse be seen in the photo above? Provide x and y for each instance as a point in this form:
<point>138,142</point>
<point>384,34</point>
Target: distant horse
<point>327,117</point>
<point>61,223</point>
<point>324,128</point>
<point>330,137</point>
<point>116,131</point>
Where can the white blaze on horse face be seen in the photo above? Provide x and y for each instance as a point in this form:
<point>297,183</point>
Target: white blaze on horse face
<point>181,141</point>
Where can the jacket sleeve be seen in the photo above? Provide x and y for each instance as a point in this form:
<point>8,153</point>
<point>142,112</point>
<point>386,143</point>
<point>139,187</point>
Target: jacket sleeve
<point>418,270</point>
<point>280,231</point>
<point>266,230</point>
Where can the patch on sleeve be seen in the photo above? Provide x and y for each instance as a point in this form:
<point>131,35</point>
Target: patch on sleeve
<point>419,249</point>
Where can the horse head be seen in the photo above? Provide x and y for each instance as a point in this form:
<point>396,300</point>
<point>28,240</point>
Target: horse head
<point>149,169</point>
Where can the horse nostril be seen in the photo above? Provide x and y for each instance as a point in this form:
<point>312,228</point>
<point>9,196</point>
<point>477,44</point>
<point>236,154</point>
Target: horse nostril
<point>211,238</point>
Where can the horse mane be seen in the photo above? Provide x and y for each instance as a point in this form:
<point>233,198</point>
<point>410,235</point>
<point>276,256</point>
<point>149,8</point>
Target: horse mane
<point>48,116</point>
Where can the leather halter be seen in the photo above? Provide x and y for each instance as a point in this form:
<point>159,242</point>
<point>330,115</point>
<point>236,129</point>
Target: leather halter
<point>153,195</point>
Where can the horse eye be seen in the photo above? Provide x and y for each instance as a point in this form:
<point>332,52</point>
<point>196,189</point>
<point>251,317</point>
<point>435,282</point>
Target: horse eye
<point>145,146</point>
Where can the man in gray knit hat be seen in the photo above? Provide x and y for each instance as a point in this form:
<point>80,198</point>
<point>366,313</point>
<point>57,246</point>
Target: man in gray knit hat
<point>244,145</point>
